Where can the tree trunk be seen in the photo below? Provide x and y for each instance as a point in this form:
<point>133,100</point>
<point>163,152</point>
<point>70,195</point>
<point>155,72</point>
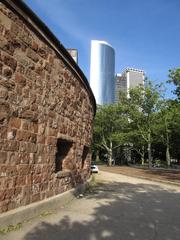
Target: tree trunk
<point>110,155</point>
<point>142,156</point>
<point>142,160</point>
<point>168,158</point>
<point>97,156</point>
<point>129,155</point>
<point>149,155</point>
<point>149,150</point>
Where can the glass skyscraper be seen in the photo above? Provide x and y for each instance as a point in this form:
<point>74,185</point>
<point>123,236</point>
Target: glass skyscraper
<point>102,72</point>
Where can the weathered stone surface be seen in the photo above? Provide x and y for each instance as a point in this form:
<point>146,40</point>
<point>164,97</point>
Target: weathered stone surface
<point>32,55</point>
<point>9,61</point>
<point>19,79</point>
<point>3,132</point>
<point>3,157</point>
<point>15,122</point>
<point>42,100</point>
<point>7,73</point>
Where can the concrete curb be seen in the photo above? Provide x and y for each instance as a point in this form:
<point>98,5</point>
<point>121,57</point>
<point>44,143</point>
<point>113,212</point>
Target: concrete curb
<point>149,179</point>
<point>28,212</point>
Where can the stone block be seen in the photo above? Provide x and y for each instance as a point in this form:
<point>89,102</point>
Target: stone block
<point>9,193</point>
<point>32,55</point>
<point>41,139</point>
<point>4,206</point>
<point>34,46</point>
<point>7,73</point>
<point>10,62</point>
<point>28,114</point>
<point>37,178</point>
<point>4,106</point>
<point>17,191</point>
<point>3,132</point>
<point>51,141</point>
<point>23,169</point>
<point>28,147</point>
<point>13,158</point>
<point>3,116</point>
<point>3,157</point>
<point>23,136</point>
<point>5,21</point>
<point>19,79</point>
<point>43,52</point>
<point>20,180</point>
<point>2,195</point>
<point>35,197</point>
<point>15,122</point>
<point>11,145</point>
<point>3,92</point>
<point>11,134</point>
<point>29,180</point>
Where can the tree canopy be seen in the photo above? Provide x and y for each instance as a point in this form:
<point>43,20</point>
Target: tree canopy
<point>144,121</point>
<point>174,77</point>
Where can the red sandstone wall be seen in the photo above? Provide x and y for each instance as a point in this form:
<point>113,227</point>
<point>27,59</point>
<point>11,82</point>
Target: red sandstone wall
<point>41,100</point>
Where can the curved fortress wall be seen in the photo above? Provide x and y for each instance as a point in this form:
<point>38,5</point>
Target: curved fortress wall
<point>46,112</point>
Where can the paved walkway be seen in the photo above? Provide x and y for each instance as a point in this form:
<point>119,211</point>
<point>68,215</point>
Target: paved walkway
<point>118,208</point>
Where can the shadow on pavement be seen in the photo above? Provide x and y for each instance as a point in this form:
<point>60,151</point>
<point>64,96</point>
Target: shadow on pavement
<point>123,211</point>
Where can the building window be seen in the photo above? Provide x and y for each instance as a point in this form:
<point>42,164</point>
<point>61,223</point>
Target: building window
<point>63,149</point>
<point>84,155</point>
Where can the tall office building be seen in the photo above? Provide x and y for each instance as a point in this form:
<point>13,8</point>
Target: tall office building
<point>102,72</point>
<point>130,78</point>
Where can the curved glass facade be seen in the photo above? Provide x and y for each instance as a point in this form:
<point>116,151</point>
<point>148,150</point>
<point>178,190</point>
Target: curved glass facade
<point>102,72</point>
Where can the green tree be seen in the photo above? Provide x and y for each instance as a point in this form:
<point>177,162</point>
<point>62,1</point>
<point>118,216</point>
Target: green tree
<point>109,127</point>
<point>139,145</point>
<point>143,104</point>
<point>131,108</point>
<point>139,121</point>
<point>163,126</point>
<point>174,77</point>
<point>175,130</point>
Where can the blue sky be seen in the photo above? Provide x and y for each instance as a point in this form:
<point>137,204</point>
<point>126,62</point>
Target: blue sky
<point>144,33</point>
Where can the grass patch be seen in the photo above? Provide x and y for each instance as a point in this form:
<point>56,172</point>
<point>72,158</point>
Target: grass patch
<point>91,185</point>
<point>44,214</point>
<point>10,228</point>
<point>17,226</point>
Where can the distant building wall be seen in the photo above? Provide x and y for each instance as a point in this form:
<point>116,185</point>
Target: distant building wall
<point>46,112</point>
<point>130,78</point>
<point>136,78</point>
<point>74,54</point>
<point>120,85</point>
<point>102,72</point>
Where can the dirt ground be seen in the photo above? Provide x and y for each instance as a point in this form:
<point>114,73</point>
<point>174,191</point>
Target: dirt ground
<point>151,174</point>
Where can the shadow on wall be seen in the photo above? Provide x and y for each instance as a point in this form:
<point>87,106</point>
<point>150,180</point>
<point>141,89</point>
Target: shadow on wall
<point>123,212</point>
